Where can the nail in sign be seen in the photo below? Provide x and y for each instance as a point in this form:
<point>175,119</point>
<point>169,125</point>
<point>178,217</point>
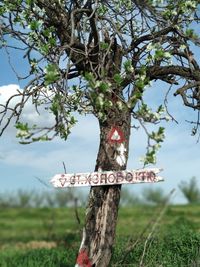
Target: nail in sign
<point>107,178</point>
<point>116,135</point>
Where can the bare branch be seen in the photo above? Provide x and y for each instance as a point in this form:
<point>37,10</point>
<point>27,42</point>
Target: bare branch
<point>195,94</point>
<point>155,72</point>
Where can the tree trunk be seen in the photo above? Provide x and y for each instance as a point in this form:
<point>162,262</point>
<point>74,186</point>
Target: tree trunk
<point>102,210</point>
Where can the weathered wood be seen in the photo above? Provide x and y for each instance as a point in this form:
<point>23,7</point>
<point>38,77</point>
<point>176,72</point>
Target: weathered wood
<point>106,178</point>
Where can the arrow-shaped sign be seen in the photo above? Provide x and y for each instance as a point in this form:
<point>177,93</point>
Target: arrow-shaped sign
<point>107,178</point>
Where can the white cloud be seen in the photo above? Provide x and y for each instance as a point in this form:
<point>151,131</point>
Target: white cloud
<point>6,91</point>
<point>79,152</point>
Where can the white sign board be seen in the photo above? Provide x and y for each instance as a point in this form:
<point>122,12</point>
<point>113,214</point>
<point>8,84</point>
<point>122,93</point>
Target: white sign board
<point>106,178</point>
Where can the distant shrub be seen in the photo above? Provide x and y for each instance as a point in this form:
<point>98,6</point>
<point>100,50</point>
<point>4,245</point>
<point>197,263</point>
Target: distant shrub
<point>37,199</point>
<point>24,198</point>
<point>8,200</point>
<point>49,199</point>
<point>154,196</point>
<point>64,198</point>
<point>128,198</point>
<point>190,190</point>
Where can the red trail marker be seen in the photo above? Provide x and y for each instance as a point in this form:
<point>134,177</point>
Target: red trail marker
<point>116,135</point>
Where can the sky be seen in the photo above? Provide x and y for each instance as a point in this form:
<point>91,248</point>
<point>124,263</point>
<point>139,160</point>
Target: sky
<point>24,166</point>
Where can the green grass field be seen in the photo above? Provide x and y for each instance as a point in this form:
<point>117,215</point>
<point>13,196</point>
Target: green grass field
<point>51,237</point>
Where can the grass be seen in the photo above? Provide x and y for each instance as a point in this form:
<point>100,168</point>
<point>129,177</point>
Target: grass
<point>51,237</point>
<point>38,258</point>
<point>36,224</point>
<point>178,245</point>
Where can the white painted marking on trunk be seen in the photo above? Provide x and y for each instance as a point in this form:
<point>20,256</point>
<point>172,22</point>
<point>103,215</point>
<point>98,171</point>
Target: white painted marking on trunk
<point>121,158</point>
<point>83,239</point>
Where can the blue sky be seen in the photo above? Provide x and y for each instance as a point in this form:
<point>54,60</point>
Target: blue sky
<point>20,164</point>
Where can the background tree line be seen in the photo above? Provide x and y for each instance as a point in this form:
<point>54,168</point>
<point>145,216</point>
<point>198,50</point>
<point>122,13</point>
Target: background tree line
<point>74,197</point>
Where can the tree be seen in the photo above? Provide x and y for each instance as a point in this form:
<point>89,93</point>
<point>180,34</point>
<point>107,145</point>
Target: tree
<point>155,196</point>
<point>99,57</point>
<point>191,190</point>
<point>128,198</point>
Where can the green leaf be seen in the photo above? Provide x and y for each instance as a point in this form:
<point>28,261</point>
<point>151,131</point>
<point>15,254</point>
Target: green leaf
<point>29,2</point>
<point>118,79</point>
<point>40,138</point>
<point>159,54</point>
<point>160,109</point>
<point>22,126</point>
<point>104,46</point>
<point>52,74</point>
<point>55,106</point>
<point>190,33</point>
<point>89,76</point>
<point>140,84</point>
<point>73,120</point>
<point>128,66</point>
<point>104,87</point>
<point>159,136</point>
<point>34,25</point>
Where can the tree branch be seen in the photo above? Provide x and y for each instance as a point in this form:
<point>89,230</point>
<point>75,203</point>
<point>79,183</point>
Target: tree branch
<point>155,72</point>
<point>195,95</point>
<point>60,20</point>
<point>148,37</point>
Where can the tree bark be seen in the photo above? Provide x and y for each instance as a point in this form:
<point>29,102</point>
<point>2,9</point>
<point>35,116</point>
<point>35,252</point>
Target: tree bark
<point>102,210</point>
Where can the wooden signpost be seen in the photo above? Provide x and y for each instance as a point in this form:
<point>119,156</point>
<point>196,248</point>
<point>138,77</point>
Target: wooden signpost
<point>107,178</point>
